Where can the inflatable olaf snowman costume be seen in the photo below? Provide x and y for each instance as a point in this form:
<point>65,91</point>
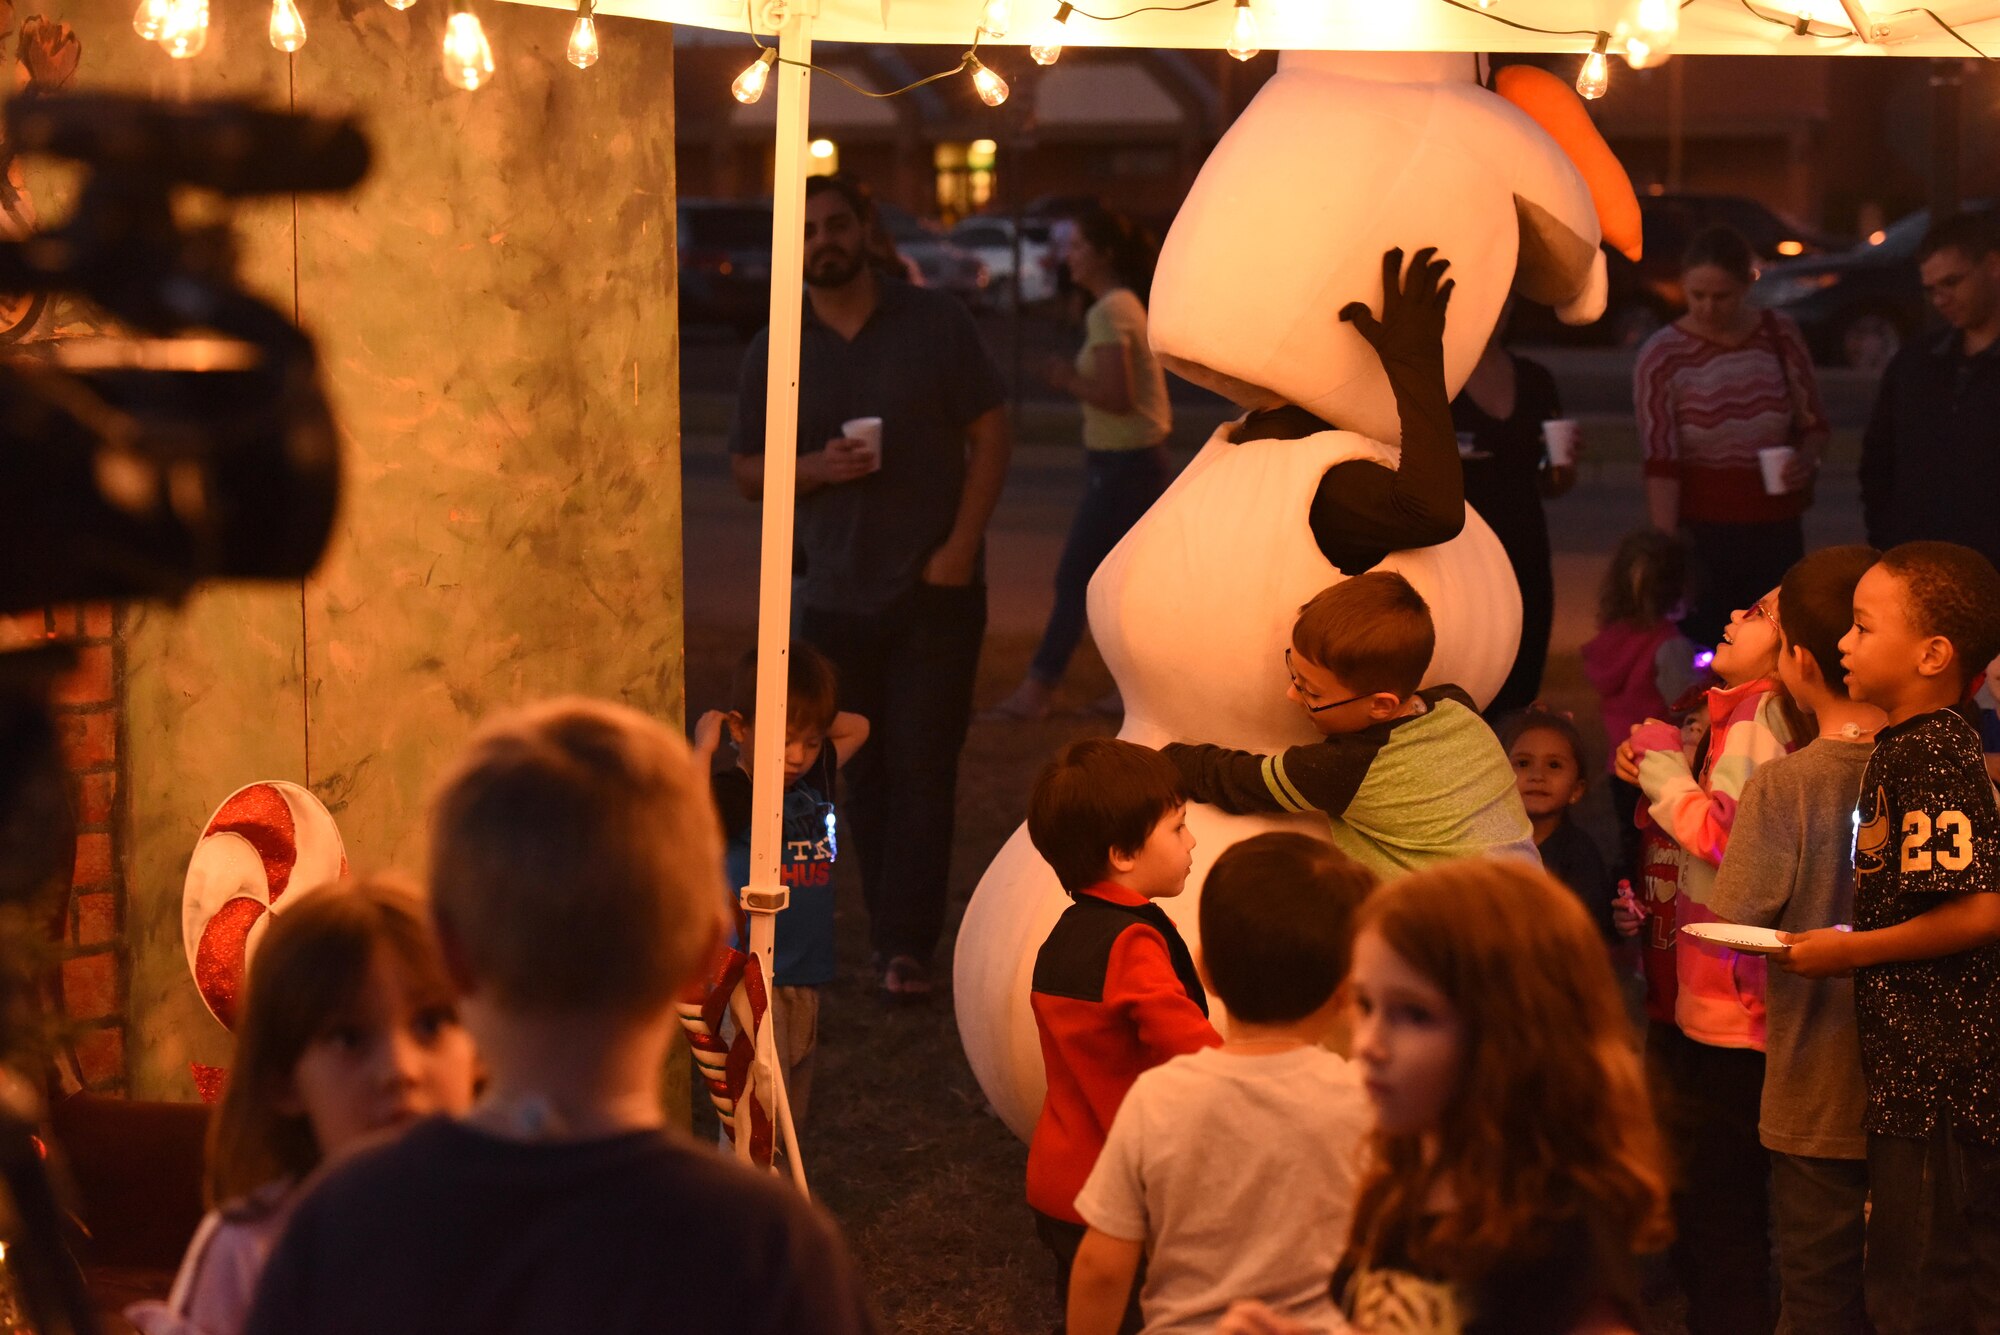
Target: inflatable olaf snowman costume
<point>1340,158</point>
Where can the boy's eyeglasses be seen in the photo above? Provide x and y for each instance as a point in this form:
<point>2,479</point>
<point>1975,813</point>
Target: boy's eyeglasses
<point>1302,689</point>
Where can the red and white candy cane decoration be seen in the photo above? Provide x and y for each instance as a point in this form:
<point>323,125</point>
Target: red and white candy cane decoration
<point>733,985</point>
<point>265,841</point>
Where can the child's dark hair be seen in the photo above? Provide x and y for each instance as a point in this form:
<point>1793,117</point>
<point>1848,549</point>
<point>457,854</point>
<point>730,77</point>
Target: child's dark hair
<point>1952,592</point>
<point>1540,718</point>
<point>1721,248</point>
<point>1099,796</point>
<point>1646,579</point>
<point>1277,924</point>
<point>812,688</point>
<point>305,978</point>
<point>1372,631</point>
<point>1816,606</point>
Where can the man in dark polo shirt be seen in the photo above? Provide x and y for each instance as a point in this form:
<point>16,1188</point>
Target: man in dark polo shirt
<point>1930,461</point>
<point>895,589</point>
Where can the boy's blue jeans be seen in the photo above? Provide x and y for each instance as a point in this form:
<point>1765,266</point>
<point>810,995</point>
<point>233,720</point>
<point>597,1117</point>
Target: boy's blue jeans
<point>1119,486</point>
<point>1933,1234</point>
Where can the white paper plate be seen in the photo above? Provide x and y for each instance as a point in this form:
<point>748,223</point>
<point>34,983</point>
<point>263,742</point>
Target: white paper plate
<point>1749,940</point>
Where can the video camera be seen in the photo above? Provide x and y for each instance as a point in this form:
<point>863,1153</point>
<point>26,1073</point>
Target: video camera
<point>196,443</point>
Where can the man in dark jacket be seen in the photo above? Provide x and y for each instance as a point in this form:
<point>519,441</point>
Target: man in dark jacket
<point>1930,462</point>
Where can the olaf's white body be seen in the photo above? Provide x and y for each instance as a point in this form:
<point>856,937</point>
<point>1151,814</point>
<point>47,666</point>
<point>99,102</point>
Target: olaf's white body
<point>1339,158</point>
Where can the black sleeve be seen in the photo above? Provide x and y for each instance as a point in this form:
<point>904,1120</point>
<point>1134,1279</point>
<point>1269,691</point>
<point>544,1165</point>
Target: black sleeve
<point>731,787</point>
<point>1543,398</point>
<point>1363,511</point>
<point>1948,837</point>
<point>746,431</point>
<point>976,387</point>
<point>1587,877</point>
<point>1877,471</point>
<point>1323,776</point>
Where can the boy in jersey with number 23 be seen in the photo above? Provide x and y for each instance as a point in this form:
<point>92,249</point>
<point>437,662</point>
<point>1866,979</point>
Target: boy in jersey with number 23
<point>1925,949</point>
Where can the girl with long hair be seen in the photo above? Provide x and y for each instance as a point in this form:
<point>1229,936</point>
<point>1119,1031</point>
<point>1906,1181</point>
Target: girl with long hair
<point>1515,1171</point>
<point>349,1031</point>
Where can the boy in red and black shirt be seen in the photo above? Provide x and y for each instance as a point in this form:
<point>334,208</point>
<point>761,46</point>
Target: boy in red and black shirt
<point>1115,991</point>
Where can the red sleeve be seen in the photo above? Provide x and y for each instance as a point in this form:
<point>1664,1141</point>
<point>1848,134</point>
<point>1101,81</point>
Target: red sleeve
<point>1653,405</point>
<point>1140,984</point>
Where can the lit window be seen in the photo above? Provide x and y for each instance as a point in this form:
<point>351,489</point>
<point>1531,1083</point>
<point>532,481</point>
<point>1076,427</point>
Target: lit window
<point>964,177</point>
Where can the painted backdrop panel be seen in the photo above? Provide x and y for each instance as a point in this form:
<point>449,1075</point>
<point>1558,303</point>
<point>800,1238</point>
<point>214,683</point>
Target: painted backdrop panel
<point>496,311</point>
<point>496,317</point>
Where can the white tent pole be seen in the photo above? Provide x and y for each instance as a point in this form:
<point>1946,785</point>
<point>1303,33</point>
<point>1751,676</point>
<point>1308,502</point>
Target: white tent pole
<point>766,894</point>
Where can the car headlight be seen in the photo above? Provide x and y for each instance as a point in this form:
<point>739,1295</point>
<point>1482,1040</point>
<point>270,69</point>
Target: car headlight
<point>1785,289</point>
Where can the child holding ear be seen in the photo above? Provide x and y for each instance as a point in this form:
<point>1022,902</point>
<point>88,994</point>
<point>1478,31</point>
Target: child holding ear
<point>819,739</point>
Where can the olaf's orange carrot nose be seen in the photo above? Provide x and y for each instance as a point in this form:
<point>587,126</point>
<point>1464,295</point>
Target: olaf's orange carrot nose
<point>1554,106</point>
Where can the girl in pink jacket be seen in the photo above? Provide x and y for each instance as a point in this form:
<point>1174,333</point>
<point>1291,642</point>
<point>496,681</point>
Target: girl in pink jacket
<point>1708,1066</point>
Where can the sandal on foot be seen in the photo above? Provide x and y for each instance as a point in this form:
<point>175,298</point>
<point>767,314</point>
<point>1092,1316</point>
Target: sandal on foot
<point>906,978</point>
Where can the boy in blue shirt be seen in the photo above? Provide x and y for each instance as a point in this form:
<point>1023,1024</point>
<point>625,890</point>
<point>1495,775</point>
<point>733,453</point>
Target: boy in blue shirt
<point>819,739</point>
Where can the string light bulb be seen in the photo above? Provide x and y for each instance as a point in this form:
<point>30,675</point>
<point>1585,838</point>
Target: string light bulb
<point>185,33</point>
<point>1048,43</point>
<point>583,36</point>
<point>1595,76</point>
<point>1487,4</point>
<point>749,85</point>
<point>288,26</point>
<point>150,19</point>
<point>995,17</point>
<point>401,4</point>
<point>992,89</point>
<point>1244,40</point>
<point>468,56</point>
<point>1655,26</point>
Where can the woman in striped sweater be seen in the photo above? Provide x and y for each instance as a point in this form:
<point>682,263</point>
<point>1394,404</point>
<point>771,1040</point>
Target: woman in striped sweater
<point>1712,389</point>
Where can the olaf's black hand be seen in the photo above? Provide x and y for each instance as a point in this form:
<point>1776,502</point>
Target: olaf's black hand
<point>1412,325</point>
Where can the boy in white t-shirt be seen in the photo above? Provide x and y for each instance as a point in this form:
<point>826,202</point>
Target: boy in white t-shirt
<point>1232,1170</point>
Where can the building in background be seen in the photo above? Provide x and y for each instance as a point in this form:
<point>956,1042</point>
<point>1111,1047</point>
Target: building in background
<point>1839,145</point>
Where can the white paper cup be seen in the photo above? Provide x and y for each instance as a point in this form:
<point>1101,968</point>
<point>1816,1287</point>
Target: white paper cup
<point>1559,437</point>
<point>867,430</point>
<point>1774,462</point>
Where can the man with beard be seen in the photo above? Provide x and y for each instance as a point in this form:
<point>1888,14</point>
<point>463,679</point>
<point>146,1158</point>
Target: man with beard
<point>1930,461</point>
<point>893,540</point>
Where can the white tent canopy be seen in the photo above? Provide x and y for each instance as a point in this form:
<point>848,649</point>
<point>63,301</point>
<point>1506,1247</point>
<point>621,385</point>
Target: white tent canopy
<point>1708,27</point>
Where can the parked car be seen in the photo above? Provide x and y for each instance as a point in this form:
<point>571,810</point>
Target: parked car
<point>992,240</point>
<point>725,262</point>
<point>944,265</point>
<point>1858,306</point>
<point>1646,295</point>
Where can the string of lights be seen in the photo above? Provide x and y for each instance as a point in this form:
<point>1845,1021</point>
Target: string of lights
<point>1643,37</point>
<point>1950,31</point>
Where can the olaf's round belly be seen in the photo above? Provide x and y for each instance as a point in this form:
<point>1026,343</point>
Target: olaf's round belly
<point>1193,611</point>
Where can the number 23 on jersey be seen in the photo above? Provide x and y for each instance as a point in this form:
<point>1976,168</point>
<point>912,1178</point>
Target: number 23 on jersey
<point>1952,831</point>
